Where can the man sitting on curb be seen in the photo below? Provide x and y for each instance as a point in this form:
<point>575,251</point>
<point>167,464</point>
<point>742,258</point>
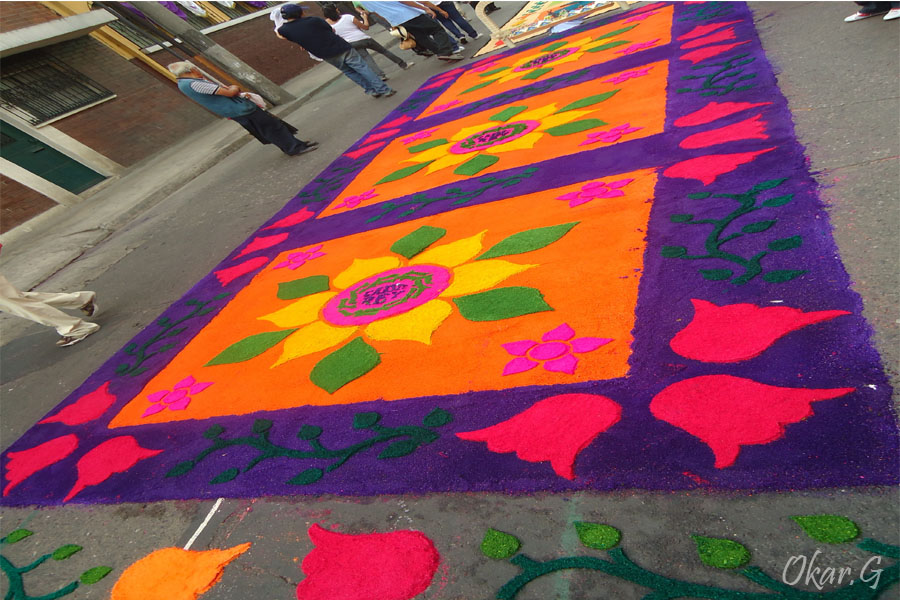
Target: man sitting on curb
<point>317,37</point>
<point>418,18</point>
<point>226,101</point>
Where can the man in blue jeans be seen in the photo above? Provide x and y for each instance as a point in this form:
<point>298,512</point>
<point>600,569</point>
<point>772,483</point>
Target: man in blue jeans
<point>317,37</point>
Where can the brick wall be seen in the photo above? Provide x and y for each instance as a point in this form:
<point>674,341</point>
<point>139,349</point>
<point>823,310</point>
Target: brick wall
<point>16,15</point>
<point>19,203</point>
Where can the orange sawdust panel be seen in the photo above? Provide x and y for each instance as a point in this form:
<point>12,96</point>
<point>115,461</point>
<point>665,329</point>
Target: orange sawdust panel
<point>638,102</point>
<point>570,53</point>
<point>586,273</point>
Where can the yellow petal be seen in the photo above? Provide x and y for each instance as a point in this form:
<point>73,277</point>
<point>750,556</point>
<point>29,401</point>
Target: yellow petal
<point>567,59</point>
<point>538,113</point>
<point>481,275</point>
<point>416,325</point>
<point>579,43</point>
<point>450,160</point>
<point>313,338</point>
<point>174,574</point>
<point>467,131</point>
<point>526,142</point>
<point>561,118</point>
<point>452,254</point>
<point>303,311</point>
<point>364,267</point>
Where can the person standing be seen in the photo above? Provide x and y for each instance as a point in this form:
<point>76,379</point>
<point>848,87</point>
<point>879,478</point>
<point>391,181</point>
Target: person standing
<point>43,308</point>
<point>227,102</point>
<point>353,30</point>
<point>890,10</point>
<point>454,21</point>
<point>419,19</point>
<point>317,37</point>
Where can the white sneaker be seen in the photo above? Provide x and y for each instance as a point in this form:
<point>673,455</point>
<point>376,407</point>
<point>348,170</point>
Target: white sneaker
<point>476,36</point>
<point>71,340</point>
<point>859,16</point>
<point>409,65</point>
<point>892,14</point>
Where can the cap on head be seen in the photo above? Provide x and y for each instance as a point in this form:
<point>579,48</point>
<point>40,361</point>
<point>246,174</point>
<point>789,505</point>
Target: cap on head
<point>291,11</point>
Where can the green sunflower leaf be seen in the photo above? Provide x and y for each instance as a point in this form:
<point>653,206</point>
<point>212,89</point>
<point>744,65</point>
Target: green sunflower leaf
<point>536,73</point>
<point>298,288</point>
<point>499,545</point>
<point>249,347</point>
<point>349,362</point>
<point>404,172</point>
<point>493,71</point>
<point>589,101</point>
<point>478,86</point>
<point>609,45</point>
<point>415,242</point>
<point>615,33</point>
<point>554,46</point>
<point>476,164</point>
<point>501,303</point>
<point>528,240</point>
<point>830,529</point>
<point>427,145</point>
<point>720,553</point>
<point>508,113</point>
<point>575,127</point>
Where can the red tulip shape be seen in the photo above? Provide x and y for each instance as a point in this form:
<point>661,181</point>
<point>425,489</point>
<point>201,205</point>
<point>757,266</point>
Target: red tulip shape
<point>727,412</point>
<point>378,566</point>
<point>87,408</point>
<point>23,464</point>
<point>555,429</point>
<point>736,332</point>
<point>112,456</point>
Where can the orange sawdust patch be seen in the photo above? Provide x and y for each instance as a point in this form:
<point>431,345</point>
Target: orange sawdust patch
<point>589,277</point>
<point>640,102</point>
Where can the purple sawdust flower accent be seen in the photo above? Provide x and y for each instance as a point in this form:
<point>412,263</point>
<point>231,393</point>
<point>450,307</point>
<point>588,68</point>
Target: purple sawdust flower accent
<point>418,136</point>
<point>295,260</point>
<point>178,398</point>
<point>555,351</point>
<point>637,47</point>
<point>354,201</point>
<point>641,16</point>
<point>608,137</point>
<point>626,75</point>
<point>595,189</point>
<point>441,107</point>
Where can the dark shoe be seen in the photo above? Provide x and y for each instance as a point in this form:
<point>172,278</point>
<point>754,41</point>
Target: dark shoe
<point>383,77</point>
<point>304,149</point>
<point>452,57</point>
<point>91,308</point>
<point>390,93</point>
<point>463,41</point>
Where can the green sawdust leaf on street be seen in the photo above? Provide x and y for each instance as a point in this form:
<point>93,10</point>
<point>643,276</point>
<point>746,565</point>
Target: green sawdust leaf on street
<point>501,303</point>
<point>499,545</point>
<point>528,240</point>
<point>404,172</point>
<point>720,553</point>
<point>345,364</point>
<point>249,347</point>
<point>589,101</point>
<point>298,288</point>
<point>598,535</point>
<point>831,529</point>
<point>415,242</point>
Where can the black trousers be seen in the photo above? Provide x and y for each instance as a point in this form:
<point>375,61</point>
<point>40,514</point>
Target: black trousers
<point>430,35</point>
<point>269,129</point>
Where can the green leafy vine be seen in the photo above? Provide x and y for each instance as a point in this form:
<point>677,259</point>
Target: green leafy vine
<point>724,79</point>
<point>168,329</point>
<point>706,12</point>
<point>714,552</point>
<point>751,267</point>
<point>325,185</point>
<point>15,576</point>
<point>404,440</point>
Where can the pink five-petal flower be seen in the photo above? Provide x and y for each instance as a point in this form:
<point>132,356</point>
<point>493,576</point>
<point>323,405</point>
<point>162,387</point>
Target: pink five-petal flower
<point>554,429</point>
<point>396,565</point>
<point>354,201</point>
<point>555,351</point>
<point>625,76</point>
<point>178,398</point>
<point>295,260</point>
<point>611,136</point>
<point>593,190</point>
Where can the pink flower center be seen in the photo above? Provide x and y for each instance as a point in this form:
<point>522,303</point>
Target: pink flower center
<point>548,350</point>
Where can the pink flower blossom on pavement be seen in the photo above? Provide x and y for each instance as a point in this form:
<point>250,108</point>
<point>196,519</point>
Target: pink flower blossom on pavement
<point>595,189</point>
<point>295,260</point>
<point>555,353</point>
<point>418,136</point>
<point>176,399</point>
<point>626,75</point>
<point>641,16</point>
<point>555,429</point>
<point>637,47</point>
<point>354,201</point>
<point>608,137</point>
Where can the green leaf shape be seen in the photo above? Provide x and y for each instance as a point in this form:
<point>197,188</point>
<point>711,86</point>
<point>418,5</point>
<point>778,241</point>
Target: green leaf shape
<point>478,86</point>
<point>365,420</point>
<point>508,113</point>
<point>830,529</point>
<point>64,552</point>
<point>598,535</point>
<point>92,576</point>
<point>589,101</point>
<point>782,275</point>
<point>181,468</point>
<point>404,172</point>
<point>528,240</point>
<point>261,425</point>
<point>536,73</point>
<point>307,477</point>
<point>291,290</point>
<point>476,164</point>
<point>499,545</point>
<point>721,553</point>
<point>437,418</point>
<point>778,200</point>
<point>758,227</point>
<point>427,145</point>
<point>17,536</point>
<point>767,185</point>
<point>615,33</point>
<point>673,251</point>
<point>575,127</point>
<point>349,362</point>
<point>681,218</point>
<point>716,274</point>
<point>493,71</point>
<point>213,432</point>
<point>414,243</point>
<point>398,449</point>
<point>795,241</point>
<point>699,195</point>
<point>309,432</point>
<point>249,347</point>
<point>609,45</point>
<point>501,303</point>
<point>554,46</point>
<point>226,475</point>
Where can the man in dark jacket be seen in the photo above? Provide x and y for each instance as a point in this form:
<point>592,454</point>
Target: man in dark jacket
<point>317,37</point>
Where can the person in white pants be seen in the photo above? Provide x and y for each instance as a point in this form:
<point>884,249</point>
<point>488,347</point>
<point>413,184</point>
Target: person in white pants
<point>43,308</point>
